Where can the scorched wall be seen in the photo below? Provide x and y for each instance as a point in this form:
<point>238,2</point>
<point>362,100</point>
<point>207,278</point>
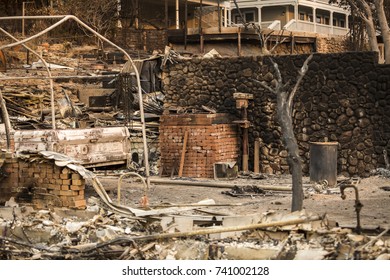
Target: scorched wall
<point>344,98</point>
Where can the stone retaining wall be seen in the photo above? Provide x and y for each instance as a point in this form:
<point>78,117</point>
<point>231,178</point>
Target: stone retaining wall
<point>343,98</point>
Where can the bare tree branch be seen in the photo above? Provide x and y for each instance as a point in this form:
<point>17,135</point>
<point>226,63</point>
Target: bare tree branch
<point>301,74</point>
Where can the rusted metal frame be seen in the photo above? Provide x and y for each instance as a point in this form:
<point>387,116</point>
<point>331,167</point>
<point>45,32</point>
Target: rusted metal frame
<point>6,120</point>
<point>128,175</point>
<point>53,117</point>
<point>65,18</point>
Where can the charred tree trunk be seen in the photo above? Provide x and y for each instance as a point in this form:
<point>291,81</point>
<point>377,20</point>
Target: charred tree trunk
<point>290,142</point>
<point>284,101</point>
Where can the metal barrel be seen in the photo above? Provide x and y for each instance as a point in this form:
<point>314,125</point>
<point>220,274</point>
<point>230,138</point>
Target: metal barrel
<point>323,162</point>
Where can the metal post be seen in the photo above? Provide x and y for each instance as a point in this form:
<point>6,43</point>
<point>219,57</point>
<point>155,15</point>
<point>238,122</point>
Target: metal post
<point>256,160</point>
<point>6,120</point>
<point>23,14</point>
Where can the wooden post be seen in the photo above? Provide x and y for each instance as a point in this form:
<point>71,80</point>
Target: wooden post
<point>185,24</point>
<point>200,16</point>
<point>239,42</point>
<point>166,15</point>
<point>183,154</point>
<point>3,62</point>
<point>136,14</point>
<point>201,43</point>
<point>245,141</point>
<point>219,17</point>
<point>256,160</point>
<point>292,44</point>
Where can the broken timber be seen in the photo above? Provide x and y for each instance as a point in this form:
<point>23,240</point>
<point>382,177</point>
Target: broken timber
<point>217,185</point>
<point>94,246</point>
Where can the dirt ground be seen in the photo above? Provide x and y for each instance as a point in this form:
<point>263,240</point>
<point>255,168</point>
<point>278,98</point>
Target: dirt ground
<point>375,212</point>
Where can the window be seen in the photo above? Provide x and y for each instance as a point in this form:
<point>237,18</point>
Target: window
<point>249,16</point>
<point>310,18</point>
<point>334,22</point>
<point>326,20</point>
<point>318,19</point>
<point>238,19</point>
<point>342,23</point>
<point>301,16</point>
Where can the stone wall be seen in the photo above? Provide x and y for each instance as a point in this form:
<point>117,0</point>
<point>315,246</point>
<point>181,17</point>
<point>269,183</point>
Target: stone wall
<point>332,44</point>
<point>343,98</point>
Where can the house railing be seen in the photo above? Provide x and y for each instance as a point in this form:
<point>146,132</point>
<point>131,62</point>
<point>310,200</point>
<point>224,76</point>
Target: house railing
<point>275,25</point>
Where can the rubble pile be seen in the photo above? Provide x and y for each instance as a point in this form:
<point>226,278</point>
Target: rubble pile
<point>99,233</point>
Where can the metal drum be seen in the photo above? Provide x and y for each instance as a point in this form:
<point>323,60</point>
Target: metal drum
<point>323,162</point>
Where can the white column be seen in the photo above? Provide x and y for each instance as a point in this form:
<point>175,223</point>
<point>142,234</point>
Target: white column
<point>177,15</point>
<point>260,18</point>
<point>225,15</point>
<point>315,19</point>
<point>287,11</point>
<point>346,21</point>
<point>296,11</point>
<point>331,22</point>
<point>230,16</point>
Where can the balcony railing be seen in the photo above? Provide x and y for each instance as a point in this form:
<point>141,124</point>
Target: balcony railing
<point>307,26</point>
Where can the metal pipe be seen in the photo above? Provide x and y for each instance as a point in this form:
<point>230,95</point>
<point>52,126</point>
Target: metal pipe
<point>127,175</point>
<point>68,17</point>
<point>32,17</point>
<point>57,77</point>
<point>358,204</point>
<point>6,120</point>
<point>64,19</point>
<point>53,115</point>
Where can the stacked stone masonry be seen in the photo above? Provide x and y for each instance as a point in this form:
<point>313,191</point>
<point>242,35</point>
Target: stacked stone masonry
<point>344,98</point>
<point>207,143</point>
<point>42,184</point>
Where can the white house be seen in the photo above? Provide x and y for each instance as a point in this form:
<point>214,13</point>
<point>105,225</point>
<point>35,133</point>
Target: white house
<point>316,16</point>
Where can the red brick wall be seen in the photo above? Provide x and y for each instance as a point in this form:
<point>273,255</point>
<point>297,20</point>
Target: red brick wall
<point>208,142</point>
<point>42,184</point>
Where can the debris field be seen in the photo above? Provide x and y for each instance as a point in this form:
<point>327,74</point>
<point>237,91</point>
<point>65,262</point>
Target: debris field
<point>88,210</point>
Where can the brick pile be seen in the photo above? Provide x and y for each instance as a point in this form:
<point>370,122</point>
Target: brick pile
<point>43,184</point>
<point>211,138</point>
